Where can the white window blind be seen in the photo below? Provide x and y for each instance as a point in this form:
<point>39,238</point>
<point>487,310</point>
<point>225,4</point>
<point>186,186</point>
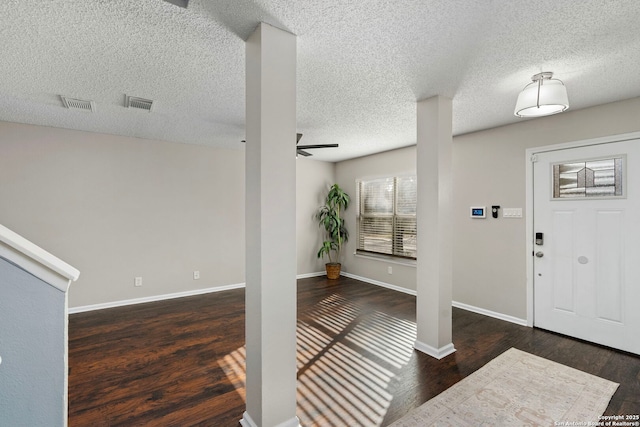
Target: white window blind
<point>387,216</point>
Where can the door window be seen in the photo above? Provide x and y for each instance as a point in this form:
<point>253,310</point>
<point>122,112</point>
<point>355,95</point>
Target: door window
<point>601,178</point>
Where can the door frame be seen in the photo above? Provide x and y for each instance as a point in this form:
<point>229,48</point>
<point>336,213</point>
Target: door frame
<point>529,208</point>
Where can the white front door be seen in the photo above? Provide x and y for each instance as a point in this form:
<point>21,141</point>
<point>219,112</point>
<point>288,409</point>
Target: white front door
<point>587,264</point>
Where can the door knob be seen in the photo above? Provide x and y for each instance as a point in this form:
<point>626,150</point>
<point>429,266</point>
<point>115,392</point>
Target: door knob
<point>539,254</point>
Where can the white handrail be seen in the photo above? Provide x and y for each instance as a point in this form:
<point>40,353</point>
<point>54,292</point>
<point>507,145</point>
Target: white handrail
<point>38,254</point>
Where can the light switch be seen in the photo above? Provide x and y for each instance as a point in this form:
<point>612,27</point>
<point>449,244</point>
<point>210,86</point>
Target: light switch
<point>512,213</point>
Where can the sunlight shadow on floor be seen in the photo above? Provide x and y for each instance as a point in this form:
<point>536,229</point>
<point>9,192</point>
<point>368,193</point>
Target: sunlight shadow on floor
<point>346,359</point>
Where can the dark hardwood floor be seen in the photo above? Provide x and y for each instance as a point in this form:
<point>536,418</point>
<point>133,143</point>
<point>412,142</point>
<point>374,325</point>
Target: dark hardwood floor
<point>181,362</point>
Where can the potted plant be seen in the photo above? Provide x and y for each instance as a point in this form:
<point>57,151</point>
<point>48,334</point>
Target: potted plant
<point>336,234</point>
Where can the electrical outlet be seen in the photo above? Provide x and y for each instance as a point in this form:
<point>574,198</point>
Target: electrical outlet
<point>389,270</point>
<point>196,275</point>
<point>137,281</point>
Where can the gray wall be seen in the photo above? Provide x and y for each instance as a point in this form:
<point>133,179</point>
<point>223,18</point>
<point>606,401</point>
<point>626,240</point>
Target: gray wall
<point>390,163</point>
<point>313,181</point>
<point>489,270</point>
<point>32,347</point>
<point>117,207</point>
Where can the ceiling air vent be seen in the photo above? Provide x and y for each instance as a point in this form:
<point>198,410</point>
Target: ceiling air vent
<point>78,104</point>
<point>139,103</point>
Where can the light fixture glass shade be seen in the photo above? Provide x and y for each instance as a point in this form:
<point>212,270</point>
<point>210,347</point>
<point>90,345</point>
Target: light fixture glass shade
<point>551,99</point>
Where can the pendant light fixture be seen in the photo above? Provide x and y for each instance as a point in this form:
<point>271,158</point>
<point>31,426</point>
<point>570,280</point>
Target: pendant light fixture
<point>542,97</point>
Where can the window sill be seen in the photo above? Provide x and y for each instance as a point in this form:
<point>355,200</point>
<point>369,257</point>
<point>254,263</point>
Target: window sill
<point>387,258</point>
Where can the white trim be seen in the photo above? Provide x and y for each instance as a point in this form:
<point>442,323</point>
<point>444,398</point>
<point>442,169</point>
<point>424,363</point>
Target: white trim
<point>293,422</point>
<point>584,142</point>
<point>121,303</point>
<point>378,283</point>
<point>485,312</point>
<point>65,413</point>
<point>34,268</point>
<point>247,421</point>
<point>529,233</point>
<point>307,275</point>
<point>153,298</point>
<point>388,259</point>
<point>438,353</point>
<point>37,254</point>
<point>529,200</point>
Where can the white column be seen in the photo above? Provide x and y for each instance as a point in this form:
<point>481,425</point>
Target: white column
<point>434,264</point>
<point>270,228</point>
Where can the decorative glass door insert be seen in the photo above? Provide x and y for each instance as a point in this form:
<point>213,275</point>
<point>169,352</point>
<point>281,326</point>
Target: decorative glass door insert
<point>601,178</point>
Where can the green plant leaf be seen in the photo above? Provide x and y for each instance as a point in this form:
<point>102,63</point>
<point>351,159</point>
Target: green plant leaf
<point>329,217</point>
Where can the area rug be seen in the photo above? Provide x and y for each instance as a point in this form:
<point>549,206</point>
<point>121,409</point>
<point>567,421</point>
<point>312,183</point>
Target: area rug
<point>517,388</point>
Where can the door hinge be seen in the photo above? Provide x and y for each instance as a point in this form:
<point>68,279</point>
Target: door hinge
<point>533,158</point>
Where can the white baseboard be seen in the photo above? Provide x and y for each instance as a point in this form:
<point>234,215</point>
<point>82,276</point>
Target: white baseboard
<point>438,353</point>
<point>378,283</point>
<point>293,422</point>
<point>485,312</point>
<point>153,298</point>
<point>496,315</point>
<point>307,275</point>
<point>113,304</point>
<point>246,421</point>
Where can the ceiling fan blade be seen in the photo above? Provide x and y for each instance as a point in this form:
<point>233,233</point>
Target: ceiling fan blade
<point>303,153</point>
<point>298,136</point>
<point>307,147</point>
<point>181,3</point>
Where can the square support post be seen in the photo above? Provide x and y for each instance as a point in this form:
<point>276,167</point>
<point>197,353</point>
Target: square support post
<point>271,229</point>
<point>434,264</point>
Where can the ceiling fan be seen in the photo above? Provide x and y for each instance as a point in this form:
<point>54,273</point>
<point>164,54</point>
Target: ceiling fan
<point>300,148</point>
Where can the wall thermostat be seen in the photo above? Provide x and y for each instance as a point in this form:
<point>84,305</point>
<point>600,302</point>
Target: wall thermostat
<point>478,211</point>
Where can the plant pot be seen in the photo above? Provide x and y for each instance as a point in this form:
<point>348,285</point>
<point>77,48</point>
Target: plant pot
<point>333,270</point>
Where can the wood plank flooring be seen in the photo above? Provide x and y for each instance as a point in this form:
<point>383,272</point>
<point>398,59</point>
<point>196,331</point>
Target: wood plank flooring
<point>181,362</point>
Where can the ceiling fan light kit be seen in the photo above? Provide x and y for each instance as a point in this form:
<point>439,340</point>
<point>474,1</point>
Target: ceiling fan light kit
<point>542,97</point>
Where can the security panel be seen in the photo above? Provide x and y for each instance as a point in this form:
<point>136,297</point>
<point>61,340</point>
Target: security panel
<point>478,212</point>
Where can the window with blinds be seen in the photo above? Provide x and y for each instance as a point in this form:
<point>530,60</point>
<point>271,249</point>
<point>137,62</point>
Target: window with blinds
<point>387,216</point>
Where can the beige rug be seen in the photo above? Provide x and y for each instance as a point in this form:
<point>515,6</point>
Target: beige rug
<point>515,389</point>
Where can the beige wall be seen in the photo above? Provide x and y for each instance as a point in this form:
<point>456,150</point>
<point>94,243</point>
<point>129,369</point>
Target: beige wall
<point>390,163</point>
<point>313,180</point>
<point>489,168</point>
<point>117,208</point>
<point>489,256</point>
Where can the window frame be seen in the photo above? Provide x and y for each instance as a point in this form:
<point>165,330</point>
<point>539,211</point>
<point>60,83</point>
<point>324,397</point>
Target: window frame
<point>394,216</point>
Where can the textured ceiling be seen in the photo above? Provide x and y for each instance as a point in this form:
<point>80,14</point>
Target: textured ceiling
<point>361,64</point>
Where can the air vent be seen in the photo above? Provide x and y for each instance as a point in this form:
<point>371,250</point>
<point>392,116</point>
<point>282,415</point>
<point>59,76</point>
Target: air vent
<point>139,103</point>
<point>78,104</point>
